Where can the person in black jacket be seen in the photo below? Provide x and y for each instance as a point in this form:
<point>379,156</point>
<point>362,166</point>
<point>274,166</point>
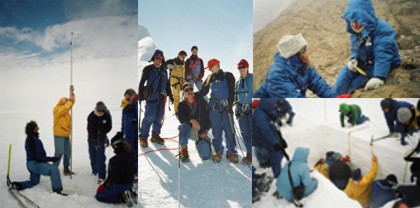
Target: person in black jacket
<point>99,123</point>
<point>339,172</point>
<point>193,116</point>
<point>117,187</point>
<point>37,162</point>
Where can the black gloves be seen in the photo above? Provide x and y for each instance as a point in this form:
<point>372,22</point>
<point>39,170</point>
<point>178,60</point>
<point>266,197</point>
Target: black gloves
<point>172,99</point>
<point>52,159</point>
<point>277,147</point>
<point>106,142</point>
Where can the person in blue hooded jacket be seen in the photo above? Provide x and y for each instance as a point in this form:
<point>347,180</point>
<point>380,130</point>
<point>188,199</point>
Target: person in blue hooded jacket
<point>383,191</point>
<point>373,49</point>
<point>299,171</point>
<point>390,108</point>
<point>37,162</point>
<point>243,108</point>
<point>291,74</point>
<point>286,109</point>
<point>265,135</point>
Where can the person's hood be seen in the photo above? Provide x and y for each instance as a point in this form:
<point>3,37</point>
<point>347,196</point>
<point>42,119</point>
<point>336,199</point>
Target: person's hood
<point>267,105</point>
<point>301,155</point>
<point>61,101</point>
<point>361,11</point>
<point>297,66</point>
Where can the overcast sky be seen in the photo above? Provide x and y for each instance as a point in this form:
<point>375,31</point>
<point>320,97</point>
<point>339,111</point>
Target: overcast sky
<point>221,29</point>
<point>35,52</point>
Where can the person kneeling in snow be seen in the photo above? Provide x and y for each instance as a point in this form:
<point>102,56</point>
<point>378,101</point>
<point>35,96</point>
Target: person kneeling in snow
<point>390,108</point>
<point>37,162</point>
<point>353,113</point>
<point>373,49</point>
<point>384,191</point>
<point>339,172</point>
<point>195,123</point>
<point>410,118</point>
<point>299,171</point>
<point>359,187</point>
<point>292,74</point>
<point>117,188</point>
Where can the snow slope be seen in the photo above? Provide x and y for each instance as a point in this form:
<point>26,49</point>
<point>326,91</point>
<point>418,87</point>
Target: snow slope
<point>317,126</point>
<point>203,183</point>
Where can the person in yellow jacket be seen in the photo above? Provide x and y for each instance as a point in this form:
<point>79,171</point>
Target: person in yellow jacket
<point>177,76</point>
<point>62,130</point>
<point>359,187</point>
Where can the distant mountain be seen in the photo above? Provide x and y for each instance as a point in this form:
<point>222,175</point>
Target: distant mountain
<point>321,24</point>
<point>146,47</point>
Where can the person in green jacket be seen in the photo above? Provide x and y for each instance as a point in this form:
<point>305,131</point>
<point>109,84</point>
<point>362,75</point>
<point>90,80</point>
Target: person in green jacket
<point>353,113</point>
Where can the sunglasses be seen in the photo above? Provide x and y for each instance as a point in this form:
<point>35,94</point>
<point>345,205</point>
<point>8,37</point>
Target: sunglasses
<point>242,67</point>
<point>188,90</point>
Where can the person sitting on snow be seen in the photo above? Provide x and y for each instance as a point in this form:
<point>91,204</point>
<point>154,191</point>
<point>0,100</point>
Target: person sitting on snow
<point>390,108</point>
<point>373,49</point>
<point>384,191</point>
<point>359,187</point>
<point>154,93</point>
<point>410,119</point>
<point>299,171</point>
<point>117,188</point>
<point>222,96</point>
<point>292,74</point>
<point>265,134</point>
<point>339,172</point>
<point>353,113</point>
<point>37,162</point>
<point>194,118</point>
<point>243,108</point>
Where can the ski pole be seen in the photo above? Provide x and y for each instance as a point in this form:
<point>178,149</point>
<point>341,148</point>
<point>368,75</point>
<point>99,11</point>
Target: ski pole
<point>179,177</point>
<point>71,110</point>
<point>8,162</point>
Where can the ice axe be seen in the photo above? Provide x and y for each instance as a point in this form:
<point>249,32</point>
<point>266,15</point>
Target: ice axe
<point>360,70</point>
<point>371,145</point>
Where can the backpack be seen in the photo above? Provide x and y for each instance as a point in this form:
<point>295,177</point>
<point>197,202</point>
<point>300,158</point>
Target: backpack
<point>204,148</point>
<point>298,191</point>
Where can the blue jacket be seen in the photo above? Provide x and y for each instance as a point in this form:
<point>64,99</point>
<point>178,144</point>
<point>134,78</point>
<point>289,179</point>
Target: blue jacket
<point>35,149</point>
<point>391,116</point>
<point>381,194</point>
<point>243,89</point>
<point>130,122</point>
<point>375,45</point>
<point>299,173</point>
<point>98,127</point>
<point>264,133</point>
<point>290,78</point>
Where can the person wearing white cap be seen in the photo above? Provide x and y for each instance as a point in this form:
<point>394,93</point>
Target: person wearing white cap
<point>291,74</point>
<point>410,119</point>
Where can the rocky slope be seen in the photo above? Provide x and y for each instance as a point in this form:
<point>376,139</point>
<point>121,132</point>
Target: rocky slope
<point>321,24</point>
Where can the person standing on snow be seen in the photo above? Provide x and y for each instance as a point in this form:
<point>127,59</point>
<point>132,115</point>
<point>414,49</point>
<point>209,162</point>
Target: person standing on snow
<point>410,118</point>
<point>384,191</point>
<point>157,89</point>
<point>359,187</point>
<point>99,123</point>
<point>353,113</point>
<point>177,76</point>
<point>194,69</point>
<point>373,49</point>
<point>243,108</point>
<point>117,188</point>
<point>194,118</point>
<point>266,136</point>
<point>222,85</point>
<point>37,162</point>
<point>130,122</point>
<point>292,74</point>
<point>62,130</point>
<point>390,108</point>
<point>299,171</point>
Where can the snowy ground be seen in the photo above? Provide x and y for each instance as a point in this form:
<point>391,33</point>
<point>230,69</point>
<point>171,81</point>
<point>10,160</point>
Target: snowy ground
<point>203,183</point>
<point>31,94</point>
<point>317,126</point>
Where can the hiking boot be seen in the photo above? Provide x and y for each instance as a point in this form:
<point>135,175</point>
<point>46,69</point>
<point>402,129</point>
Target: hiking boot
<point>247,159</point>
<point>217,156</point>
<point>232,157</point>
<point>263,183</point>
<point>59,192</point>
<point>127,198</point>
<point>13,185</point>
<point>67,171</point>
<point>143,142</point>
<point>265,165</point>
<point>183,154</point>
<point>157,139</point>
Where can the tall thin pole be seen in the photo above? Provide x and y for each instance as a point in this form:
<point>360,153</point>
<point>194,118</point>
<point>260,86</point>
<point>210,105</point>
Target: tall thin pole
<point>71,110</point>
<point>179,176</point>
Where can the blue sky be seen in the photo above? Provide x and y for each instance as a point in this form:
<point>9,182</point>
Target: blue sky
<point>39,31</point>
<point>221,29</point>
